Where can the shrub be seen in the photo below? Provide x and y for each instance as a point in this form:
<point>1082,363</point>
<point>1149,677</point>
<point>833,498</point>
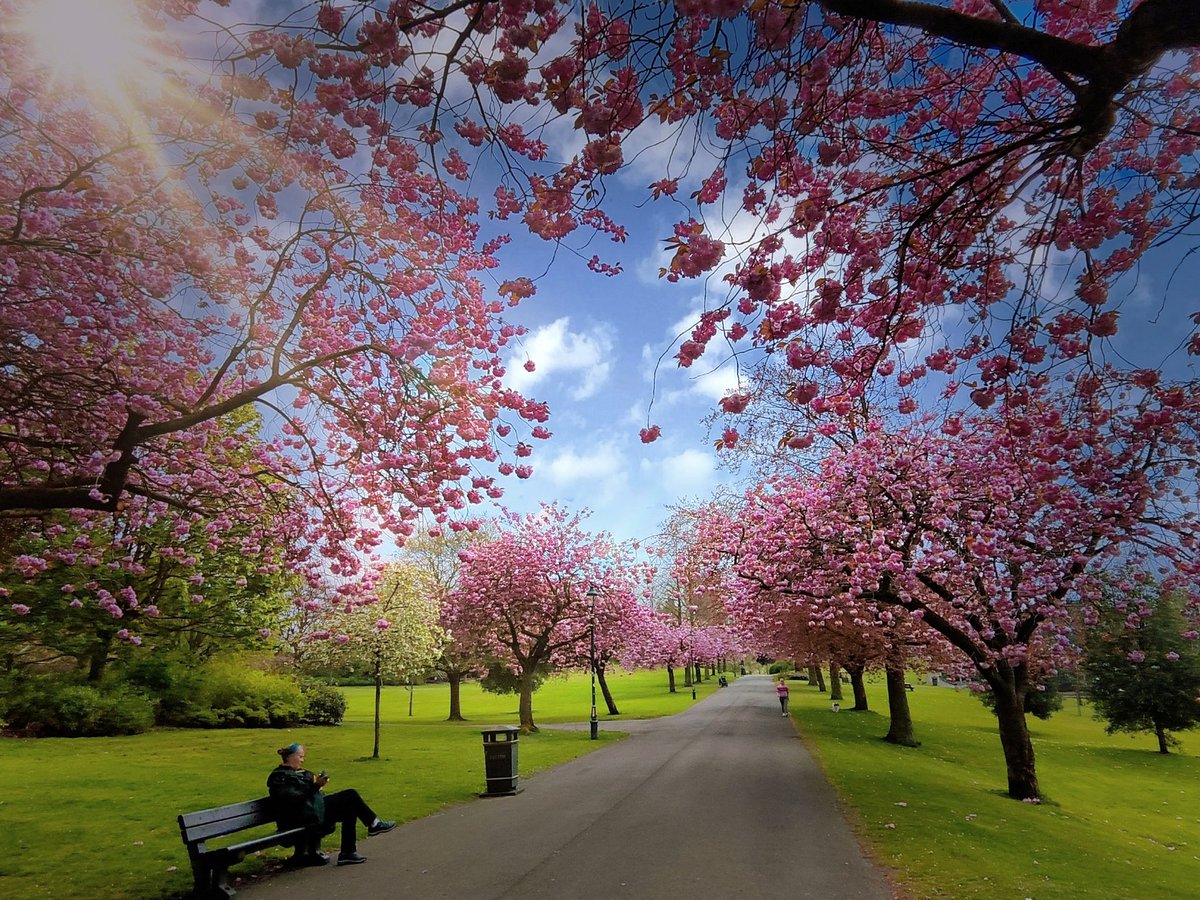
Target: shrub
<point>232,694</point>
<point>53,707</point>
<point>779,668</point>
<point>324,704</point>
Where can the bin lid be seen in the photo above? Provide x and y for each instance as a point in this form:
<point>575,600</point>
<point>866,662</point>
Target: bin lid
<point>500,729</point>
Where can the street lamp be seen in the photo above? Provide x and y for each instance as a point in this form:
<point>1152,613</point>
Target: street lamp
<point>593,722</point>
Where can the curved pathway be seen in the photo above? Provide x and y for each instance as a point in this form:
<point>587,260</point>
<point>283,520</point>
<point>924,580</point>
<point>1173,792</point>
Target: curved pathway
<point>719,801</point>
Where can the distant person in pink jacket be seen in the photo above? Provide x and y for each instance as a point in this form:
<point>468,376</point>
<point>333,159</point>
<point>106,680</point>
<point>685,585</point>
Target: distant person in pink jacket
<point>782,690</point>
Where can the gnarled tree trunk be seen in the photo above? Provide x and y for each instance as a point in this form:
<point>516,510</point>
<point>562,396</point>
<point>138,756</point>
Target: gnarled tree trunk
<point>455,679</point>
<point>608,697</point>
<point>1014,733</point>
<point>816,678</point>
<point>900,730</point>
<point>526,705</point>
<point>835,682</point>
<point>1161,734</point>
<point>858,687</point>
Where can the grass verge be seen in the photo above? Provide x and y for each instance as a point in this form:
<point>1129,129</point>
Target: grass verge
<point>1118,820</point>
<point>95,817</point>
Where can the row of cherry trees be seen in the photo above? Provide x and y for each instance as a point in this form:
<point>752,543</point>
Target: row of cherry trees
<point>276,215</point>
<point>533,593</point>
<point>895,207</point>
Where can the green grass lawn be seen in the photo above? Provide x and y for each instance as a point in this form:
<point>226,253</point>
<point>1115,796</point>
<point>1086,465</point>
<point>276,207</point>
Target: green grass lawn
<point>95,817</point>
<point>1119,820</point>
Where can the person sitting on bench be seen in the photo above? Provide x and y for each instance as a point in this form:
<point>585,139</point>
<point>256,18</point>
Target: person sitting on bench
<point>299,800</point>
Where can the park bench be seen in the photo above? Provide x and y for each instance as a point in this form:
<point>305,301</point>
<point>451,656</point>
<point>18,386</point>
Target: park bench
<point>210,867</point>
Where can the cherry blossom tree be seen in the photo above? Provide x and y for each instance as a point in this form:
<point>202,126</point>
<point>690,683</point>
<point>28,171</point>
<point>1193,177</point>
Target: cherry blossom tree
<point>662,644</point>
<point>524,595</point>
<point>223,212</point>
<point>986,536</point>
<point>179,244</point>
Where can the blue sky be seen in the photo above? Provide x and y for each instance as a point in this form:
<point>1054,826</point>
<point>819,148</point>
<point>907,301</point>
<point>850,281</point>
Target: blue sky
<point>595,342</point>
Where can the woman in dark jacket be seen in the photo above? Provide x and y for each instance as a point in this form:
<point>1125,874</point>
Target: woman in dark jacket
<point>298,800</point>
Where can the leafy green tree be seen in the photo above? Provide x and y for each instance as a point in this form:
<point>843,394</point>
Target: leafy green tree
<point>436,557</point>
<point>395,637</point>
<point>1143,667</point>
<point>136,586</point>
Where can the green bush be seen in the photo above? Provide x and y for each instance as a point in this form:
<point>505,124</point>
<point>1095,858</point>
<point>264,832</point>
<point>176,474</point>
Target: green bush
<point>232,694</point>
<point>779,668</point>
<point>54,707</point>
<point>324,704</point>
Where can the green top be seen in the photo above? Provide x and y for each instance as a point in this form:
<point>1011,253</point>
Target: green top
<point>297,798</point>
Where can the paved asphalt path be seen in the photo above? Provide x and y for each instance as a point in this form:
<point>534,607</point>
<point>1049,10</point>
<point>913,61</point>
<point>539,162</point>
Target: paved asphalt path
<point>719,801</point>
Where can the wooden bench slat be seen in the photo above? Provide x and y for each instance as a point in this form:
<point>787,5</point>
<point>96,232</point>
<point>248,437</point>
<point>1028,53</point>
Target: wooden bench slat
<point>224,826</point>
<point>229,811</point>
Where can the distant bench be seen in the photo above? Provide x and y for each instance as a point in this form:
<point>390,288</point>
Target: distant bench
<point>210,868</point>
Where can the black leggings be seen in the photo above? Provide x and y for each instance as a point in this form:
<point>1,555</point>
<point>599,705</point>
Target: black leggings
<point>348,808</point>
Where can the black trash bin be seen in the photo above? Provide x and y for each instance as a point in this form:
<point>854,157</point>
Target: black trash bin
<point>500,760</point>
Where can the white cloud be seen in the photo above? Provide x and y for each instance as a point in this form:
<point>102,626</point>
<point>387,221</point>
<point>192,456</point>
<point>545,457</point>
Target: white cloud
<point>556,350</point>
<point>689,473</point>
<point>569,467</point>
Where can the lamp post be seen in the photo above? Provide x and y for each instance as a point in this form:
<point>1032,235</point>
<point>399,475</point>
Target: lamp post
<point>593,722</point>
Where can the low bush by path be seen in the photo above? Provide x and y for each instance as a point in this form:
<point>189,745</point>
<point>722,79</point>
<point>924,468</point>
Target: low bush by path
<point>95,817</point>
<point>1119,821</point>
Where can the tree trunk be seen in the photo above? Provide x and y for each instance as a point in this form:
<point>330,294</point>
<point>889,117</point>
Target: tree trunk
<point>816,678</point>
<point>699,674</point>
<point>687,675</point>
<point>900,730</point>
<point>608,697</point>
<point>455,680</point>
<point>98,658</point>
<point>410,698</point>
<point>670,679</point>
<point>1014,738</point>
<point>1161,734</point>
<point>378,697</point>
<point>859,688</point>
<point>526,706</point>
<point>835,682</point>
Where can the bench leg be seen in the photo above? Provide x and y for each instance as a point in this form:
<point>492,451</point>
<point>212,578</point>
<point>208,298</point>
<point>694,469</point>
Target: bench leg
<point>219,886</point>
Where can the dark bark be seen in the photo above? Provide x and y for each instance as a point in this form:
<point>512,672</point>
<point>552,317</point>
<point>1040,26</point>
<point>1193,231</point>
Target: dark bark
<point>859,688</point>
<point>835,682</point>
<point>526,705</point>
<point>816,678</point>
<point>900,730</point>
<point>670,679</point>
<point>455,680</point>
<point>1161,734</point>
<point>378,697</point>
<point>97,659</point>
<point>687,676</point>
<point>608,697</point>
<point>1096,74</point>
<point>1014,735</point>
